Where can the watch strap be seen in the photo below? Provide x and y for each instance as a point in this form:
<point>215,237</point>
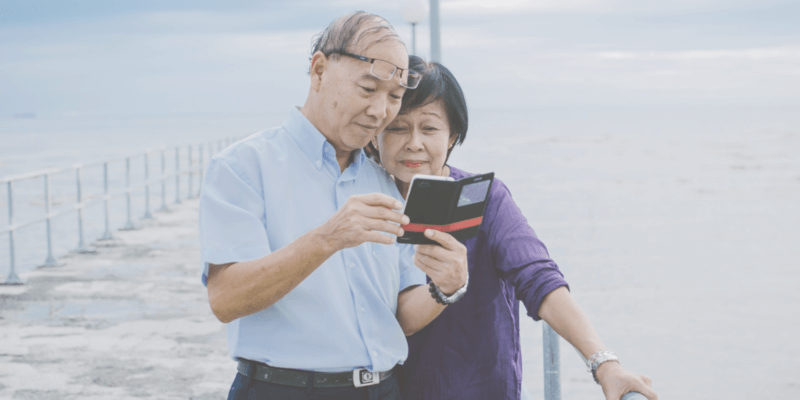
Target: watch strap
<point>445,300</point>
<point>593,362</point>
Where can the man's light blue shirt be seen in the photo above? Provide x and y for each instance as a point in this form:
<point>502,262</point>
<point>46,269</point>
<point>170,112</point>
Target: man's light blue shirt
<point>269,189</point>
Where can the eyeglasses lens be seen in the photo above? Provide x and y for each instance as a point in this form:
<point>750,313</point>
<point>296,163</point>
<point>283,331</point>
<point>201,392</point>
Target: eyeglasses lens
<point>384,70</point>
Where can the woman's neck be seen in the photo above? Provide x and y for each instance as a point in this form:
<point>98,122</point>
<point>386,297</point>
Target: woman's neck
<point>404,186</point>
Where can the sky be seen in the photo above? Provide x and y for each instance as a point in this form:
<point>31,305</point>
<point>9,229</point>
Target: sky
<point>101,57</point>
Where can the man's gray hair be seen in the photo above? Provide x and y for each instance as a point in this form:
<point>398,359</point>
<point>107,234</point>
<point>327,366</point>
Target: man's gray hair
<point>343,33</point>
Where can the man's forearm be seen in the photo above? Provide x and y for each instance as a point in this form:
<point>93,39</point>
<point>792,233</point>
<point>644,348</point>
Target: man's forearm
<point>243,288</point>
<point>568,319</point>
<point>416,309</point>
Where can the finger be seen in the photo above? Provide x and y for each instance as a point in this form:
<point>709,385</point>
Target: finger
<point>383,226</point>
<point>433,264</point>
<point>445,239</point>
<point>433,251</point>
<point>380,199</point>
<point>649,393</point>
<point>422,265</point>
<point>385,214</point>
<point>646,389</point>
<point>376,237</point>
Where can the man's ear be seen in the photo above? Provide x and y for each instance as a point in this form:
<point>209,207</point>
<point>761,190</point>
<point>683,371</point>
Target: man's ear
<point>319,64</point>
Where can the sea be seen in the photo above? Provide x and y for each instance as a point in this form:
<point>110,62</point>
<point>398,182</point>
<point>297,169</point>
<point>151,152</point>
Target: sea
<point>677,228</point>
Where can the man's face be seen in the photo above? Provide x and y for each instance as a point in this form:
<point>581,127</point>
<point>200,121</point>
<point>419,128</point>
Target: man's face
<point>358,105</point>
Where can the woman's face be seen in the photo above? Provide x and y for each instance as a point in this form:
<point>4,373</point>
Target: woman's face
<point>416,142</point>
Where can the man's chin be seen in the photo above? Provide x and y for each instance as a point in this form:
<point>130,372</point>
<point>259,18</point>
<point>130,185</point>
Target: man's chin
<point>358,143</point>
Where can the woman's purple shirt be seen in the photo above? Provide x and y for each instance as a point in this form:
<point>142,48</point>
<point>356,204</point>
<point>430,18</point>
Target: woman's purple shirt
<point>472,350</point>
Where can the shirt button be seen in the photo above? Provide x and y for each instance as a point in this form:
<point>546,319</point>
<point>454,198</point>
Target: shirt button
<point>374,353</point>
<point>352,265</point>
<point>363,309</point>
<point>319,164</point>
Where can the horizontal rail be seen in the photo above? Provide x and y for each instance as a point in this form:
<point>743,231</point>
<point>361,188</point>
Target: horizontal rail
<point>94,200</point>
<point>77,207</point>
<point>57,170</point>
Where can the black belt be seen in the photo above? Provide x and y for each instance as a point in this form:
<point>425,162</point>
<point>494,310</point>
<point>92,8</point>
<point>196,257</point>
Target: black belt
<point>299,378</point>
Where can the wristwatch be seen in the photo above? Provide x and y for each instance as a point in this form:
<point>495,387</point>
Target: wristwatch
<point>441,298</point>
<point>598,358</point>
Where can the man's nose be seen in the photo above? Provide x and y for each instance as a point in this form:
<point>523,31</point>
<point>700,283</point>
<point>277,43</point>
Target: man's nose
<point>377,108</point>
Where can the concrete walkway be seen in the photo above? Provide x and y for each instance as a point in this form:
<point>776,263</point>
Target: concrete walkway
<point>131,321</point>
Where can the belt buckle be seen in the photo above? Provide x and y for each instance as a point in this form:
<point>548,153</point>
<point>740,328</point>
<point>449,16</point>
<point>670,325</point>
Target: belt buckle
<point>364,377</point>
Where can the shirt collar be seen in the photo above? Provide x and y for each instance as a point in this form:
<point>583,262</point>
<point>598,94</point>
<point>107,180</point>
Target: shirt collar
<point>311,141</point>
<point>308,138</point>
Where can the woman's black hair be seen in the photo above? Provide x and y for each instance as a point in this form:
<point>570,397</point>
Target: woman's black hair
<point>437,83</point>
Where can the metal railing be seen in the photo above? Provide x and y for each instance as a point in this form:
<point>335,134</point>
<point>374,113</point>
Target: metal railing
<point>107,195</point>
<point>550,339</point>
<point>551,355</point>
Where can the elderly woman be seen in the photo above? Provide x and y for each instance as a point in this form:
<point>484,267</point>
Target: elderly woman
<point>472,350</point>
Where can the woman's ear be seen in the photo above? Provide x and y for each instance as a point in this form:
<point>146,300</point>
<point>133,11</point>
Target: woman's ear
<point>319,63</point>
<point>452,141</point>
<point>374,142</point>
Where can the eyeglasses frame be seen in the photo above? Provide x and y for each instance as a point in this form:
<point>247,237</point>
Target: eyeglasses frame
<point>372,62</point>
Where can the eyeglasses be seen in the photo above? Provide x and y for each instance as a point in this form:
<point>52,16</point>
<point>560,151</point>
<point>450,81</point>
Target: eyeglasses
<point>385,70</point>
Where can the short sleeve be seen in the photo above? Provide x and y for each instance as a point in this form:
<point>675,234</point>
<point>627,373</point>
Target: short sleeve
<point>232,218</point>
<point>410,274</point>
<point>518,254</point>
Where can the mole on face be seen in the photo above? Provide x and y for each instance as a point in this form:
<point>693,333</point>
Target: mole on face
<point>335,104</point>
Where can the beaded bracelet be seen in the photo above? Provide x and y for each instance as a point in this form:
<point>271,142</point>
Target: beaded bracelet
<point>433,289</point>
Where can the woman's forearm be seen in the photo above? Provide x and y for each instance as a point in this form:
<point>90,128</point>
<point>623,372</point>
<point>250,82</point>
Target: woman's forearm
<point>562,312</point>
<point>416,309</point>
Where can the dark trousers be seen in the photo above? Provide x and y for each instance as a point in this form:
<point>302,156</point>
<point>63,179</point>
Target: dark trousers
<point>245,388</point>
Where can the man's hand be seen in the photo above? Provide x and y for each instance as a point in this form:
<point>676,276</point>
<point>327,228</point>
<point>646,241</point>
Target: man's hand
<point>361,219</point>
<point>618,381</point>
<point>446,265</point>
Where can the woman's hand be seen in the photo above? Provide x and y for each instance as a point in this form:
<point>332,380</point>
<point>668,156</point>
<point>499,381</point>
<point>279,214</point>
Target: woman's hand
<point>446,265</point>
<point>618,381</point>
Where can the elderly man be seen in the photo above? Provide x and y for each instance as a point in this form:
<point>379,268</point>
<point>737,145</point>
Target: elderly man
<point>297,228</point>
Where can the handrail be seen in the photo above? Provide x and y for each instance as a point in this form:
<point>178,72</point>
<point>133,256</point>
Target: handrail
<point>56,170</point>
<point>107,195</point>
<point>91,201</point>
<point>551,356</point>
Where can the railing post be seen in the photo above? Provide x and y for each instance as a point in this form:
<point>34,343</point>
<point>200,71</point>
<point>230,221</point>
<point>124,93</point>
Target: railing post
<point>12,279</point>
<point>50,261</point>
<point>191,173</point>
<point>81,246</point>
<point>129,224</point>
<point>202,167</point>
<point>147,214</point>
<point>107,234</point>
<point>163,183</point>
<point>552,363</point>
<point>177,175</point>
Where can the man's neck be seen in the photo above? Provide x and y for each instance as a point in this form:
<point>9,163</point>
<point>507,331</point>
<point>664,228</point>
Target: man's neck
<point>343,157</point>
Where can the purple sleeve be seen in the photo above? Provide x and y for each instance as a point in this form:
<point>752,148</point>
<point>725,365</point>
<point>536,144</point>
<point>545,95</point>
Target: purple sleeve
<point>518,255</point>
